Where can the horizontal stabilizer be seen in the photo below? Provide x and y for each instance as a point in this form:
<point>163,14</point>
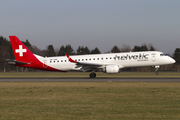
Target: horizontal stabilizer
<point>13,62</point>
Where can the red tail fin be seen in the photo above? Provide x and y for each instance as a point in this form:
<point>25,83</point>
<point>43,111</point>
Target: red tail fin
<point>21,52</point>
<point>25,58</point>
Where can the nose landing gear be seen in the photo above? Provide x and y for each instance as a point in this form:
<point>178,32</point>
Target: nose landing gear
<point>156,71</point>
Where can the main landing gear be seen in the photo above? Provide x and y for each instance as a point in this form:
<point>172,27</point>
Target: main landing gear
<point>92,75</point>
<point>156,71</point>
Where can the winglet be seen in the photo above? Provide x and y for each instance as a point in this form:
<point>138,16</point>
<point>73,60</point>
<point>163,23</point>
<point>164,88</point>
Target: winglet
<point>70,59</point>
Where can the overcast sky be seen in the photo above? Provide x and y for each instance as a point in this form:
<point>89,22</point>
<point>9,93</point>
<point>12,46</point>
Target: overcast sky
<point>93,23</point>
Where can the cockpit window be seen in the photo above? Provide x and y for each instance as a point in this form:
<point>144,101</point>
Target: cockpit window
<point>162,54</point>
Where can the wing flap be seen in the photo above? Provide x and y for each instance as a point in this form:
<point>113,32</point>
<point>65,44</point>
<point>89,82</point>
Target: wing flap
<point>89,64</point>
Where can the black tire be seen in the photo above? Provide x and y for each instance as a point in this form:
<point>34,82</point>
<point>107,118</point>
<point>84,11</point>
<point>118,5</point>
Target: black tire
<point>92,75</point>
<point>156,72</point>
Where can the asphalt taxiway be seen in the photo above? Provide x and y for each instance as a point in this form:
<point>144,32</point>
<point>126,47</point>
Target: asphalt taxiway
<point>89,80</point>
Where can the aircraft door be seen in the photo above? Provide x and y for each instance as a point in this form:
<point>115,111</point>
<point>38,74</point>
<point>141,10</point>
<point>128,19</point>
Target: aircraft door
<point>153,57</point>
<point>45,63</point>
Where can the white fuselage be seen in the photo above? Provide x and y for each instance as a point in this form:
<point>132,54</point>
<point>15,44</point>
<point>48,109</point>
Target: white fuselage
<point>123,60</point>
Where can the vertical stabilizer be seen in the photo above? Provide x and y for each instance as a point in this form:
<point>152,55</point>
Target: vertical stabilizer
<point>21,52</point>
<point>25,58</point>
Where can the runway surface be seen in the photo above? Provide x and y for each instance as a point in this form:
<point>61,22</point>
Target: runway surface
<point>89,80</point>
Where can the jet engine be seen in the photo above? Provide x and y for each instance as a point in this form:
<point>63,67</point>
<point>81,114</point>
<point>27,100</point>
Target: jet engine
<point>111,69</point>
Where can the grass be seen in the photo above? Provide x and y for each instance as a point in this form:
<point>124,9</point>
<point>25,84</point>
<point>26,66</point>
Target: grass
<point>89,101</point>
<point>80,74</point>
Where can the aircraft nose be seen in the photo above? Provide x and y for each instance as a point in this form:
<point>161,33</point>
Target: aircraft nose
<point>172,61</point>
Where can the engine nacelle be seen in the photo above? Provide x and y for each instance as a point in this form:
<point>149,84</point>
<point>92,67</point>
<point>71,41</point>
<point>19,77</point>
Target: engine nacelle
<point>111,69</point>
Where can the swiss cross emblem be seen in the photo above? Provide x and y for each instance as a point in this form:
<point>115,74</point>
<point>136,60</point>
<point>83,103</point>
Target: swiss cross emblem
<point>20,50</point>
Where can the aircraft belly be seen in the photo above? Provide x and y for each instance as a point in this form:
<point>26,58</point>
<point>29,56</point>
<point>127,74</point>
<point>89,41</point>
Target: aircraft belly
<point>64,67</point>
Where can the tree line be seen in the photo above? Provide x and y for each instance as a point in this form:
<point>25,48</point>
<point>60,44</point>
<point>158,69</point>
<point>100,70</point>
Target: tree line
<point>6,52</point>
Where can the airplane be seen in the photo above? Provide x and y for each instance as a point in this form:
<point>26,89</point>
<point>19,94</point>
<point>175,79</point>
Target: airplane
<point>109,63</point>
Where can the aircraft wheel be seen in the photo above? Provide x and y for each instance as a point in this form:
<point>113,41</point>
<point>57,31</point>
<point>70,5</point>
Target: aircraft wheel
<point>92,75</point>
<point>156,72</point>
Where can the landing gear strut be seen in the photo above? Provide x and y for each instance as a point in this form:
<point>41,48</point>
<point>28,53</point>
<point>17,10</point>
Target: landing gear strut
<point>156,71</point>
<point>92,75</point>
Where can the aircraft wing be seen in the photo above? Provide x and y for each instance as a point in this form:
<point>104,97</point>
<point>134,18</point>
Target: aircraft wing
<point>86,66</point>
<point>89,64</point>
